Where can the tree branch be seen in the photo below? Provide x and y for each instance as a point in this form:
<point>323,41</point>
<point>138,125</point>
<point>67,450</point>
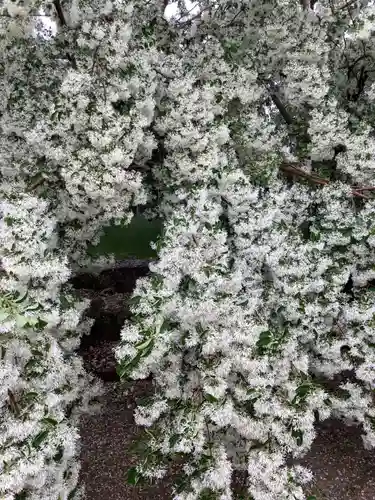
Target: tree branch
<point>60,12</point>
<point>282,109</point>
<point>62,21</point>
<point>295,171</point>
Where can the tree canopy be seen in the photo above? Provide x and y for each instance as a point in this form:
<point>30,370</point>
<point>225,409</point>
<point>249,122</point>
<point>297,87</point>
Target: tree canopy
<point>248,128</point>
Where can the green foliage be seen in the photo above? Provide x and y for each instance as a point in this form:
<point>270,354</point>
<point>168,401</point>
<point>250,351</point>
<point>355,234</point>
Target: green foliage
<point>129,241</point>
<point>208,495</point>
<point>21,496</point>
<point>19,309</point>
<point>298,435</point>
<point>302,392</point>
<point>39,438</point>
<point>133,476</point>
<point>270,341</point>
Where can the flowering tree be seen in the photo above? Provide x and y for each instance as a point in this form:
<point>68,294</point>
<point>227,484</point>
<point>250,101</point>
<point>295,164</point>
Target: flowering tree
<point>244,317</point>
<point>247,126</point>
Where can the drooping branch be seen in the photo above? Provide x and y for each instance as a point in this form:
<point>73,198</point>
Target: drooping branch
<point>294,170</point>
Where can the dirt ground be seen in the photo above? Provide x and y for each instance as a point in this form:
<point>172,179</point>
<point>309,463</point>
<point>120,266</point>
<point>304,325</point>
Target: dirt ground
<point>343,469</point>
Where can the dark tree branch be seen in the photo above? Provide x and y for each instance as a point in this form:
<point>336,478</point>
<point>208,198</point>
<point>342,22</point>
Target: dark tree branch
<point>295,171</point>
<point>62,21</point>
<point>60,12</point>
<point>282,109</point>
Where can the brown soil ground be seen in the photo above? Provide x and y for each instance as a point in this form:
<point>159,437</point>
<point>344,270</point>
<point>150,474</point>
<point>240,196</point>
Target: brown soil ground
<point>343,469</point>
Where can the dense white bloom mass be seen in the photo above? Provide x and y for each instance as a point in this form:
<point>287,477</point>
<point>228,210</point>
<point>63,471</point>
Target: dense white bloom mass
<point>248,127</point>
<point>43,386</point>
<point>245,317</point>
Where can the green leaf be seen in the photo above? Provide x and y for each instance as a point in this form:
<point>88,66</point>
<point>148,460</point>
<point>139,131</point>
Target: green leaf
<point>50,421</point>
<point>264,341</point>
<point>302,392</point>
<point>314,236</point>
<point>123,369</point>
<point>133,301</point>
<point>298,435</point>
<point>21,298</point>
<point>32,307</point>
<point>39,438</point>
<point>72,494</point>
<point>210,398</point>
<point>144,344</point>
<point>173,439</point>
<point>167,325</point>
<point>264,338</point>
<point>29,396</point>
<point>133,476</point>
<point>208,494</point>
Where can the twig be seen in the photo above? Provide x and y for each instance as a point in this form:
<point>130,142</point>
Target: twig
<point>348,4</point>
<point>62,20</point>
<point>196,16</point>
<point>321,181</point>
<point>29,15</point>
<point>59,11</point>
<point>94,58</point>
<point>277,102</point>
<point>360,195</point>
<point>364,188</point>
<point>282,109</point>
<point>13,405</point>
<point>234,18</point>
<point>294,170</point>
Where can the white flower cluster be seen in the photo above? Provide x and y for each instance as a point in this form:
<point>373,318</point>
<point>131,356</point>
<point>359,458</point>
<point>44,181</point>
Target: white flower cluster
<point>43,386</point>
<point>74,126</point>
<point>75,111</point>
<point>245,321</point>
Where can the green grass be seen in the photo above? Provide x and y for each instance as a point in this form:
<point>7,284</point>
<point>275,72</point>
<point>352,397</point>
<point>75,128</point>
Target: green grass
<point>129,241</point>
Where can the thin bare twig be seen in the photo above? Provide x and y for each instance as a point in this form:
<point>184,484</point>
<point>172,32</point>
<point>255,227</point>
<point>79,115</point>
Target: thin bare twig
<point>321,181</point>
<point>29,15</point>
<point>60,12</point>
<point>347,4</point>
<point>299,172</point>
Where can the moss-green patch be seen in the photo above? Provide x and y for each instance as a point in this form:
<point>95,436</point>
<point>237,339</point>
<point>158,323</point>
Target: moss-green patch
<point>129,241</point>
